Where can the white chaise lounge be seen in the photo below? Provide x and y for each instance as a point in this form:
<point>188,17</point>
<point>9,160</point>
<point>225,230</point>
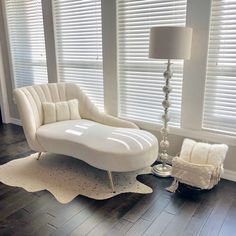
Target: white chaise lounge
<point>101,140</point>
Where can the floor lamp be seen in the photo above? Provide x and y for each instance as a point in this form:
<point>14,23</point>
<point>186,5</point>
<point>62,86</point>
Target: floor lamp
<point>168,43</point>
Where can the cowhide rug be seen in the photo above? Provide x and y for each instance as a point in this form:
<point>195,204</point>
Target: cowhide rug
<point>66,177</point>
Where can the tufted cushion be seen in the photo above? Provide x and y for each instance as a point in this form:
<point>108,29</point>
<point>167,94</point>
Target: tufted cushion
<point>59,111</point>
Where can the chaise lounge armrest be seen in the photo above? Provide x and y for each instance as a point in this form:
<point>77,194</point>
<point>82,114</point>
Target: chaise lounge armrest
<point>90,111</point>
<point>114,121</point>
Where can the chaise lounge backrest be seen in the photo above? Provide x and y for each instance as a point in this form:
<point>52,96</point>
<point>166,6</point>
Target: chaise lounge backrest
<point>29,102</point>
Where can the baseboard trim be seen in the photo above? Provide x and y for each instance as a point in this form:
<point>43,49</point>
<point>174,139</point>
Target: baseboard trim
<point>15,121</point>
<point>229,175</point>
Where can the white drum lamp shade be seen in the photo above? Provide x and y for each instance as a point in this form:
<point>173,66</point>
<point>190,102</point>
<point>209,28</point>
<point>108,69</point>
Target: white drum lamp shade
<point>170,42</point>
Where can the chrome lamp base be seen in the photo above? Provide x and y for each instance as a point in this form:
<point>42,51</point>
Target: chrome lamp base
<point>162,170</point>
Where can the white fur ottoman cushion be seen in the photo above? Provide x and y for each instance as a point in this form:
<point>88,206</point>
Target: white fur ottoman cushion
<point>203,153</point>
<point>199,164</point>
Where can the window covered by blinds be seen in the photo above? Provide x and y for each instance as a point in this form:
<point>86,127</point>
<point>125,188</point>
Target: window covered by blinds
<point>220,88</point>
<point>27,44</point>
<point>141,79</point>
<point>78,34</point>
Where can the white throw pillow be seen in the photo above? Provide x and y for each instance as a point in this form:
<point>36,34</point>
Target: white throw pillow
<point>59,111</point>
<point>62,111</point>
<point>203,153</point>
<point>49,111</point>
<point>74,109</point>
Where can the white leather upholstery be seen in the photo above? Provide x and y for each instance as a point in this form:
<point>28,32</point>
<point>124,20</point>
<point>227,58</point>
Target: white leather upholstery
<point>29,101</point>
<point>102,146</point>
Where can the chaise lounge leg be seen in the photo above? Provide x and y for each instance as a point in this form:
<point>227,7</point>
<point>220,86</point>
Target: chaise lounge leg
<point>111,181</point>
<point>39,155</point>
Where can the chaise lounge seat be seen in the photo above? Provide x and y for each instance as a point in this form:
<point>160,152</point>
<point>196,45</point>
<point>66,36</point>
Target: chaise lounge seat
<point>102,146</point>
<point>101,140</point>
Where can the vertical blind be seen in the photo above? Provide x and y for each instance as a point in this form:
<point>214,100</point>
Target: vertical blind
<point>78,35</point>
<point>27,44</point>
<point>220,87</point>
<point>140,78</point>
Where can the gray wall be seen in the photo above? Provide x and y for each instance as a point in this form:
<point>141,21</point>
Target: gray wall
<point>194,72</point>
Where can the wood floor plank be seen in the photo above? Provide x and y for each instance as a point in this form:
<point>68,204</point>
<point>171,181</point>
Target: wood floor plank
<point>156,208</point>
<point>14,148</point>
<point>27,214</point>
<point>7,192</point>
<point>33,225</point>
<point>97,216</point>
<point>175,205</point>
<point>3,186</point>
<point>37,217</point>
<point>16,205</point>
<point>138,228</point>
<point>120,228</point>
<point>113,209</point>
<point>178,223</point>
<point>141,207</point>
<point>62,213</point>
<point>73,223</point>
<point>229,225</point>
<point>199,217</point>
<point>111,219</point>
<point>217,217</point>
<point>9,197</point>
<point>78,219</point>
<point>11,139</point>
<point>85,227</point>
<point>42,204</point>
<point>159,224</point>
<point>45,230</point>
<point>103,227</point>
<point>16,202</point>
<point>5,159</point>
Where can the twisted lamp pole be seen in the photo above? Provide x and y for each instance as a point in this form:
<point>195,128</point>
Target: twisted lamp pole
<point>164,169</point>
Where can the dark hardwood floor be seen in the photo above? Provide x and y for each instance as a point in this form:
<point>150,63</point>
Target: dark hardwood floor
<point>161,213</point>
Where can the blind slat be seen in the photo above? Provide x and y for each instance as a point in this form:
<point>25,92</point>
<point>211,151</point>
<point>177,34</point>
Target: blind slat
<point>27,43</point>
<point>141,79</point>
<point>78,34</point>
<point>220,88</point>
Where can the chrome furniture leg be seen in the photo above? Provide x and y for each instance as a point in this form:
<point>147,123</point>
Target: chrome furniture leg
<point>111,181</point>
<point>39,155</point>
